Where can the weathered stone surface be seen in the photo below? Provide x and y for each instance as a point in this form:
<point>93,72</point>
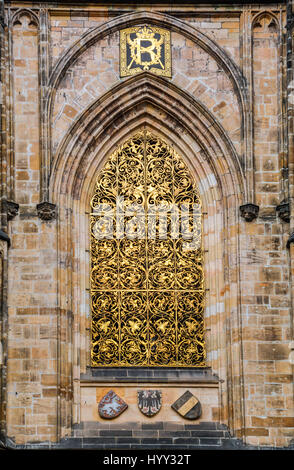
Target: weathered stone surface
<point>65,109</point>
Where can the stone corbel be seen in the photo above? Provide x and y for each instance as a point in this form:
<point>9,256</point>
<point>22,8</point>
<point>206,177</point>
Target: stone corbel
<point>249,211</point>
<point>283,211</point>
<point>46,210</point>
<point>11,209</point>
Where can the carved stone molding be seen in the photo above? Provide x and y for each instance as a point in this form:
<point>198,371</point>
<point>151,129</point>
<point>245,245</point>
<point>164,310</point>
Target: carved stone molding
<point>46,210</point>
<point>283,211</point>
<point>11,208</point>
<point>249,211</point>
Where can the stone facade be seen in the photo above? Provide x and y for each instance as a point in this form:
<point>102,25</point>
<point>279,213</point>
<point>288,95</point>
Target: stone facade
<point>228,111</point>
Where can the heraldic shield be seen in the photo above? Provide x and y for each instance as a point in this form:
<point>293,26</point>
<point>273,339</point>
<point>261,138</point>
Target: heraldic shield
<point>111,406</point>
<point>188,406</point>
<point>149,401</point>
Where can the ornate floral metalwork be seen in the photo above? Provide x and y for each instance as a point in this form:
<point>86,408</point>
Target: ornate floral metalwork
<point>147,294</point>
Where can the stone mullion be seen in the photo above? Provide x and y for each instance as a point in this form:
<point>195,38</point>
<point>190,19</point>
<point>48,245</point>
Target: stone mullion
<point>248,118</point>
<point>3,338</point>
<point>64,347</point>
<point>236,412</point>
<point>282,109</point>
<point>43,77</point>
<point>3,123</point>
<point>251,184</point>
<point>290,120</point>
<point>9,112</point>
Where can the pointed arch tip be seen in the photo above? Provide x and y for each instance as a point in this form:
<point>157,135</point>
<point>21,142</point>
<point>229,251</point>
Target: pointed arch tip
<point>148,82</point>
<point>187,119</point>
<point>164,20</point>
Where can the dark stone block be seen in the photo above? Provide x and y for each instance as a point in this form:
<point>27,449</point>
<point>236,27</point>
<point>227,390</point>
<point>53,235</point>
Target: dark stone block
<point>115,432</point>
<point>140,372</point>
<point>145,433</point>
<point>209,441</point>
<point>105,372</point>
<point>75,443</point>
<point>174,433</point>
<point>118,447</point>
<point>183,440</point>
<point>207,433</point>
<point>128,440</point>
<point>203,425</point>
<point>158,425</point>
<point>91,441</point>
<point>161,441</point>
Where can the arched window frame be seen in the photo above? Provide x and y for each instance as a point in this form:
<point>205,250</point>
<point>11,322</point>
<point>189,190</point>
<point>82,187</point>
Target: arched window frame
<point>147,306</point>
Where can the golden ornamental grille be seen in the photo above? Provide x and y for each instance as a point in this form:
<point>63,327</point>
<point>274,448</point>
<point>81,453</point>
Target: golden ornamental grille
<point>147,293</point>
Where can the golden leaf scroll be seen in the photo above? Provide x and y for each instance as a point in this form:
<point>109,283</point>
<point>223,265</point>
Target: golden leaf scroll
<point>147,294</point>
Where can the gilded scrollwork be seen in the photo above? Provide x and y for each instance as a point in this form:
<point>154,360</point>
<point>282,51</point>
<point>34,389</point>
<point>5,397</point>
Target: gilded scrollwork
<point>147,292</point>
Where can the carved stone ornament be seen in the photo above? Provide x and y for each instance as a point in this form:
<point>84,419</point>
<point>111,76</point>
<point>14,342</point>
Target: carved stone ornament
<point>283,211</point>
<point>46,210</point>
<point>188,406</point>
<point>249,211</point>
<point>149,402</point>
<point>11,209</point>
<point>111,406</point>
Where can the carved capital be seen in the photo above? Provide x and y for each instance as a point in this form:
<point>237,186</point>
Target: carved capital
<point>249,211</point>
<point>11,208</point>
<point>46,210</point>
<point>283,211</point>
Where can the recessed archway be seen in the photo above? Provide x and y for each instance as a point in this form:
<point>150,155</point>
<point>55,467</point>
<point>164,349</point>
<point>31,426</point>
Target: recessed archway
<point>190,129</point>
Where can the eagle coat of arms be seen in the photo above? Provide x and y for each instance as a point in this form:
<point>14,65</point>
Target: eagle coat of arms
<point>149,401</point>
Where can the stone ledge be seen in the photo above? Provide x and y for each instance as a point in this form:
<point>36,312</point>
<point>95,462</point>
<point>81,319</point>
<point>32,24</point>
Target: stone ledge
<point>150,374</point>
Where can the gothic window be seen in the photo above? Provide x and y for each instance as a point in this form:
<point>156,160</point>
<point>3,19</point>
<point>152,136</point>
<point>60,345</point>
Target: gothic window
<point>147,286</point>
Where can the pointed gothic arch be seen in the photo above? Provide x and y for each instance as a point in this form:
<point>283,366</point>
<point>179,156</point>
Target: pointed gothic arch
<point>156,18</point>
<point>188,127</point>
<point>125,106</point>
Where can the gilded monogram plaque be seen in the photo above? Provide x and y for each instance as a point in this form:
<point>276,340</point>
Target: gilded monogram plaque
<point>147,289</point>
<point>145,48</point>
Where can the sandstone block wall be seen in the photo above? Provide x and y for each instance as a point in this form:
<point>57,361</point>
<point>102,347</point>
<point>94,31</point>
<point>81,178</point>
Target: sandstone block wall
<point>226,111</point>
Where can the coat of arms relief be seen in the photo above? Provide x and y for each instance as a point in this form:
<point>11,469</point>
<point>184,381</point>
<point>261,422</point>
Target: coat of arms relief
<point>145,48</point>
